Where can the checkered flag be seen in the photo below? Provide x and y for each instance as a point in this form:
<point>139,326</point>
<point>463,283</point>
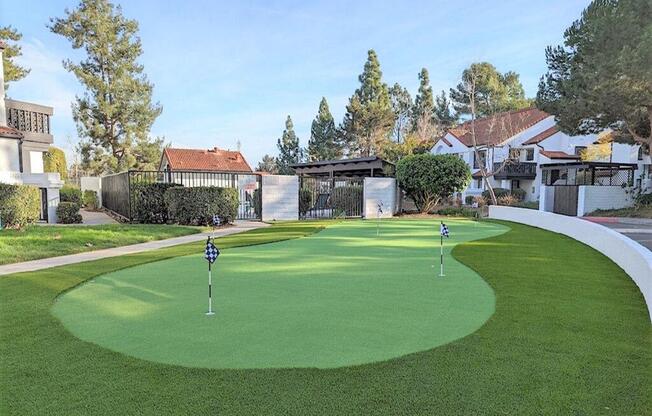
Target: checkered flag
<point>380,208</point>
<point>443,229</point>
<point>211,253</point>
<point>216,220</point>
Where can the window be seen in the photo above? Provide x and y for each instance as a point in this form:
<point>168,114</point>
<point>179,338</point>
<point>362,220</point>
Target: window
<point>516,184</point>
<point>579,150</point>
<point>483,157</point>
<point>514,153</point>
<point>529,154</point>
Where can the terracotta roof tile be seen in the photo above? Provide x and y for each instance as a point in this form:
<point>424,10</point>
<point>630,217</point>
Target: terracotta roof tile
<point>554,154</point>
<point>215,159</point>
<point>498,128</point>
<point>10,132</point>
<point>542,136</point>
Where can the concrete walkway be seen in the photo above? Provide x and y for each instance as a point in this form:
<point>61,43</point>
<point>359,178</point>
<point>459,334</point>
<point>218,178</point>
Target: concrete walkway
<point>28,266</point>
<point>96,218</point>
<point>638,229</point>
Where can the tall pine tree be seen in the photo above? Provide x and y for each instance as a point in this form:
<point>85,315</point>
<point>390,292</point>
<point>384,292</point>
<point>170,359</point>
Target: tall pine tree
<point>369,117</point>
<point>323,136</point>
<point>402,108</point>
<point>115,113</point>
<point>423,102</point>
<point>289,151</point>
<point>12,71</point>
<point>446,118</point>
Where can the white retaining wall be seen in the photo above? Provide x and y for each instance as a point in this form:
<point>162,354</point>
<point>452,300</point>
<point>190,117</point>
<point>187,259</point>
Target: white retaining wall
<point>379,190</point>
<point>632,257</point>
<point>92,183</point>
<point>590,198</point>
<point>280,197</point>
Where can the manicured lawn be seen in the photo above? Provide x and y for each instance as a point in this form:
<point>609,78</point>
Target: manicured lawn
<point>41,241</point>
<point>641,212</point>
<point>570,335</point>
<point>338,298</point>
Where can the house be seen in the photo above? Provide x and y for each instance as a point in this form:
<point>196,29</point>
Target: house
<point>520,145</point>
<point>25,136</point>
<point>199,160</point>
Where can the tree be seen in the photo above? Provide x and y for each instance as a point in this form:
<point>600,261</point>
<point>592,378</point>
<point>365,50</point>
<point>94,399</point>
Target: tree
<point>369,117</point>
<point>428,178</point>
<point>115,114</point>
<point>12,71</point>
<point>54,160</point>
<point>401,103</point>
<point>494,92</point>
<point>323,136</point>
<point>288,148</point>
<point>267,164</point>
<point>602,77</point>
<point>443,114</point>
<point>424,104</point>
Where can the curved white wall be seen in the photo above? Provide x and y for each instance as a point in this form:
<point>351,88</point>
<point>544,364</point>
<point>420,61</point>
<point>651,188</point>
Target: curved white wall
<point>632,257</point>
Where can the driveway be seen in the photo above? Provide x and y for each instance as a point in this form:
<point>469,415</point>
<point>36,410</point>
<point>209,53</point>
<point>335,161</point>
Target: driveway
<point>638,229</point>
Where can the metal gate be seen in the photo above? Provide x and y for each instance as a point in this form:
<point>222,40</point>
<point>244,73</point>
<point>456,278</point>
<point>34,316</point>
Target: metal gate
<point>565,200</point>
<point>330,197</point>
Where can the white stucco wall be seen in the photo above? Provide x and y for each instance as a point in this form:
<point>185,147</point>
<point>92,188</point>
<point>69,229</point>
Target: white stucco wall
<point>632,257</point>
<point>92,183</point>
<point>9,160</point>
<point>590,198</point>
<point>280,197</point>
<point>377,190</point>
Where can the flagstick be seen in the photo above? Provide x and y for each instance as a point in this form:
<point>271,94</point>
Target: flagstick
<point>210,284</point>
<point>441,254</point>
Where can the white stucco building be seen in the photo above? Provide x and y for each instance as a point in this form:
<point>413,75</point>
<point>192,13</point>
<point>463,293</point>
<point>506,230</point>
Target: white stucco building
<point>530,139</point>
<point>24,137</point>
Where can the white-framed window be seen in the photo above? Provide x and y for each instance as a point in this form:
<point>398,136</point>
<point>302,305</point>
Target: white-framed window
<point>529,154</point>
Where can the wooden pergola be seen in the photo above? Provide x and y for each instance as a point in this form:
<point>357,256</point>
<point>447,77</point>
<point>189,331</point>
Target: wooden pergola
<point>353,168</point>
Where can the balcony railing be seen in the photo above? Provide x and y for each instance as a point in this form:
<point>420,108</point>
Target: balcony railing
<point>516,170</point>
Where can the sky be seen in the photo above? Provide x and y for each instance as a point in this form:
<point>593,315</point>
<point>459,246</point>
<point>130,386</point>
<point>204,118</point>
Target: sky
<point>231,71</point>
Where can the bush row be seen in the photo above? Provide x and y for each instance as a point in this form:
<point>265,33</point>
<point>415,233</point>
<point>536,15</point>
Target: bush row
<point>518,194</point>
<point>197,205</point>
<point>19,205</point>
<point>148,202</point>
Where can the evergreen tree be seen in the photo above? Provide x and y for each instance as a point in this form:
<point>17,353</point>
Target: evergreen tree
<point>402,108</point>
<point>423,102</point>
<point>12,71</point>
<point>267,164</point>
<point>369,117</point>
<point>54,160</point>
<point>494,92</point>
<point>289,151</point>
<point>602,78</point>
<point>446,118</point>
<point>115,113</point>
<point>323,141</point>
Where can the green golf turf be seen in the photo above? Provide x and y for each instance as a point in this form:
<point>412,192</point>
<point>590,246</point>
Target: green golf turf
<point>341,297</point>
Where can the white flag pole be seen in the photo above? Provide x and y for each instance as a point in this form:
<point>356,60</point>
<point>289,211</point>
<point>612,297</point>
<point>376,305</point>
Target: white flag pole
<point>210,287</point>
<point>441,252</point>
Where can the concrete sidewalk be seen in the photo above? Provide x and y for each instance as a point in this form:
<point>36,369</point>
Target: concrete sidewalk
<point>28,266</point>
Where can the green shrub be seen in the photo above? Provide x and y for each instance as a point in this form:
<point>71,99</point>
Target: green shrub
<point>196,206</point>
<point>258,203</point>
<point>90,200</point>
<point>345,200</point>
<point>68,213</point>
<point>644,199</point>
<point>457,212</point>
<point>148,204</point>
<point>518,193</point>
<point>428,178</point>
<point>306,200</point>
<point>54,160</point>
<point>70,194</point>
<point>20,205</point>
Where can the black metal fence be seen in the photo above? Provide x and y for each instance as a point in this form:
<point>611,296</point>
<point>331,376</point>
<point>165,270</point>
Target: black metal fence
<point>117,189</point>
<point>330,197</point>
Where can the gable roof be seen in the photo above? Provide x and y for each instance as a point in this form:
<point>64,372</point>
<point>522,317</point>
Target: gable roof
<point>542,136</point>
<point>215,159</point>
<point>553,154</point>
<point>498,128</point>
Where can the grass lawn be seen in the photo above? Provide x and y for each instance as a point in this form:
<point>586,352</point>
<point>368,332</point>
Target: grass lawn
<point>41,241</point>
<point>641,212</point>
<point>375,298</point>
<point>570,335</point>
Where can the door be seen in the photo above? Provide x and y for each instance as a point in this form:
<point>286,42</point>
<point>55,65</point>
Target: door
<point>43,215</point>
<point>330,198</point>
<point>565,200</point>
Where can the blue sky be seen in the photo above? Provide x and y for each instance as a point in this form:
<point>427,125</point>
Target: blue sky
<point>229,71</point>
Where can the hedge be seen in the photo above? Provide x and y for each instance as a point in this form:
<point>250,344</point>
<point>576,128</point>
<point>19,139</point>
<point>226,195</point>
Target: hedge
<point>68,213</point>
<point>20,205</point>
<point>91,200</point>
<point>345,200</point>
<point>197,205</point>
<point>70,194</point>
<point>148,204</point>
<point>519,194</point>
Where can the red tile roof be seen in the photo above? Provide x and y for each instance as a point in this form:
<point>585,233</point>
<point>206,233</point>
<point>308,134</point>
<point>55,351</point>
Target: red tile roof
<point>498,128</point>
<point>10,132</point>
<point>542,136</point>
<point>215,159</point>
<point>553,154</point>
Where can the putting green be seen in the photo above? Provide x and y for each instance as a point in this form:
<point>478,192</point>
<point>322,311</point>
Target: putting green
<point>338,298</point>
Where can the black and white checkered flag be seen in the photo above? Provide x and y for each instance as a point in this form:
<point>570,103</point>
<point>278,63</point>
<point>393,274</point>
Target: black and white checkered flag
<point>216,221</point>
<point>380,208</point>
<point>211,253</point>
<point>443,229</point>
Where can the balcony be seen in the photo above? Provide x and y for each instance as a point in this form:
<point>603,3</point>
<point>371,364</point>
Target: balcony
<point>516,170</point>
<point>33,120</point>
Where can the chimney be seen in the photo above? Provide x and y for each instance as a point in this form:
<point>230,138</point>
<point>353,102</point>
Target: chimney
<point>3,110</point>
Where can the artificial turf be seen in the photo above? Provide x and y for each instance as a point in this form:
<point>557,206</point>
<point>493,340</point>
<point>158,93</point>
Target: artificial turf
<point>570,335</point>
<point>342,297</point>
